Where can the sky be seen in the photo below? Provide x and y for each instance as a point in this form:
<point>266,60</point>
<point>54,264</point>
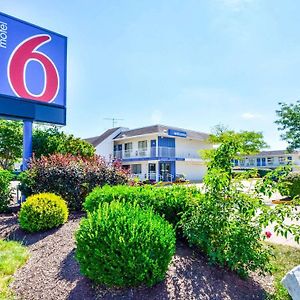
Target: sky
<point>191,64</point>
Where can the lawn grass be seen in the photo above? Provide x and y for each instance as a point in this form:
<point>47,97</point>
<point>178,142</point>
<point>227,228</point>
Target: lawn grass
<point>286,258</point>
<point>12,256</point>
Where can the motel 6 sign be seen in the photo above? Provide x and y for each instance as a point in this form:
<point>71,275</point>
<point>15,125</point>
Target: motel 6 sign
<point>32,72</point>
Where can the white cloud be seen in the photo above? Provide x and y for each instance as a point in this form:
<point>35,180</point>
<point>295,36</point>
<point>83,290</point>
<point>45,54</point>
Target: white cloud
<point>156,116</point>
<point>250,116</point>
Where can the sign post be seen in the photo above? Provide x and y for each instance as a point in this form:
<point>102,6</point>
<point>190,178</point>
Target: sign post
<point>27,143</point>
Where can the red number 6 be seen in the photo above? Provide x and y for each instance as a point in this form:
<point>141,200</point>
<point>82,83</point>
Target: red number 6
<point>17,64</point>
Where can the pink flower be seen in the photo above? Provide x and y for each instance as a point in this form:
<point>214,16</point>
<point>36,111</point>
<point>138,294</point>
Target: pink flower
<point>268,234</point>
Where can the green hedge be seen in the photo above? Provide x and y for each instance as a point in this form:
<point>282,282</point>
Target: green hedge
<point>169,202</point>
<point>121,244</point>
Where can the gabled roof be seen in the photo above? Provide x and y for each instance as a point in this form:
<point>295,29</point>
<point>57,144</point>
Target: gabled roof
<point>161,129</point>
<point>95,141</point>
<point>274,152</point>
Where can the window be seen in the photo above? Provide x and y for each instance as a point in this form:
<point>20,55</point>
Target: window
<point>142,145</point>
<point>152,167</point>
<point>242,162</point>
<point>251,162</point>
<point>136,169</point>
<point>128,146</point>
<point>281,160</point>
<point>270,160</point>
<point>127,149</point>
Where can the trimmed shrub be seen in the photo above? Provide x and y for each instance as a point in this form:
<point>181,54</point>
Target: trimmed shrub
<point>43,211</point>
<point>169,202</point>
<point>5,192</point>
<point>293,184</point>
<point>124,245</point>
<point>70,176</point>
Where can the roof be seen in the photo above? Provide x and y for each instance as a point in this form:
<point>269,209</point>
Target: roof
<point>274,152</point>
<point>96,140</point>
<point>162,129</point>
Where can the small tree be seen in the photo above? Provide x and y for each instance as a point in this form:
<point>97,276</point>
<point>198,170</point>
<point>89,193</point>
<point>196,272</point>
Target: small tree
<point>10,143</point>
<point>289,123</point>
<point>228,222</point>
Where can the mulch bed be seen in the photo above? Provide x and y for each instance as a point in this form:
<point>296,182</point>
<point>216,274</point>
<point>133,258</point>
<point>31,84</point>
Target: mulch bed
<point>53,273</point>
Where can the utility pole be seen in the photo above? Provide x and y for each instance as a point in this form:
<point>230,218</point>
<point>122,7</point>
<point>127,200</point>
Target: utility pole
<point>114,121</point>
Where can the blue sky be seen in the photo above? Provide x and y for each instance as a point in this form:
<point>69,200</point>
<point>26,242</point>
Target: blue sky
<point>191,64</point>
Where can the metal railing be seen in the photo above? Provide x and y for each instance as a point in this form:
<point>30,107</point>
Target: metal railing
<point>168,152</point>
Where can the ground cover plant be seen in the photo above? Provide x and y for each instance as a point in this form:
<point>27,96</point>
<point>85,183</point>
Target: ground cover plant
<point>5,192</point>
<point>12,256</point>
<point>43,211</point>
<point>285,258</point>
<point>71,177</point>
<point>169,202</point>
<point>121,244</point>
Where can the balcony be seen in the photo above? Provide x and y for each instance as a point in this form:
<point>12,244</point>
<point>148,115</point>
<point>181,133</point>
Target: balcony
<point>162,152</point>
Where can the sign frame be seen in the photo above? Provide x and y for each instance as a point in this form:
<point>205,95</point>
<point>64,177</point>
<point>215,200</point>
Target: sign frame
<point>14,107</point>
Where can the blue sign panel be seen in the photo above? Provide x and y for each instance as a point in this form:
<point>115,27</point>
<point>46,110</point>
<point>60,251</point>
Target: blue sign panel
<point>177,133</point>
<point>32,71</point>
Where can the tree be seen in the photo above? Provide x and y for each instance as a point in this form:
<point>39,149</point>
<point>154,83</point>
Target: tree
<point>243,142</point>
<point>45,141</point>
<point>289,122</point>
<point>10,143</point>
<point>51,140</point>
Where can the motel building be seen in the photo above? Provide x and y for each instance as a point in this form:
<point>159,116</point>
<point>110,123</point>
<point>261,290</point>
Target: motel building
<point>269,160</point>
<point>158,152</point>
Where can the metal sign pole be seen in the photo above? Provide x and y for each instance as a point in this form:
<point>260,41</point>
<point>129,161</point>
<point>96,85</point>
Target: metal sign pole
<point>27,143</point>
<point>27,147</point>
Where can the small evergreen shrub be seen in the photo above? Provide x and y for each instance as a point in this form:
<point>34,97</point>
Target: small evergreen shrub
<point>293,184</point>
<point>5,192</point>
<point>71,177</point>
<point>43,211</point>
<point>121,244</point>
<point>169,202</point>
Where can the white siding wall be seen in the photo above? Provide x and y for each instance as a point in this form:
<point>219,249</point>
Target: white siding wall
<point>106,148</point>
<point>193,171</point>
<point>189,147</point>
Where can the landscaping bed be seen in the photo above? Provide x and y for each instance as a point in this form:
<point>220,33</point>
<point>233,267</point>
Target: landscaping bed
<point>52,272</point>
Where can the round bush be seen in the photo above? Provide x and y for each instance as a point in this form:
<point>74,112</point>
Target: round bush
<point>121,244</point>
<point>169,202</point>
<point>43,211</point>
<point>293,180</point>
